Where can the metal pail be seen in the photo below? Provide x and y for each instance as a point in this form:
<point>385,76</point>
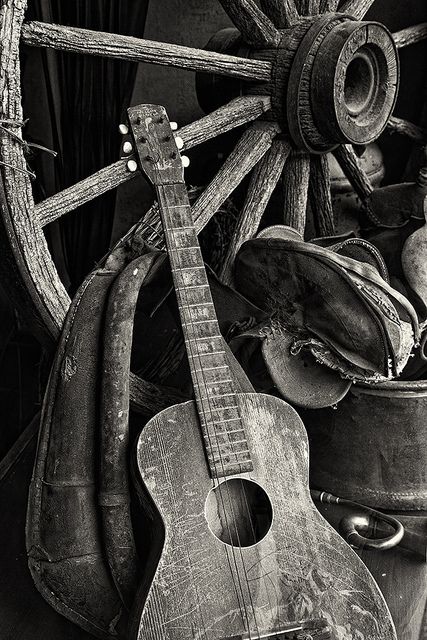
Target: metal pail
<point>373,447</point>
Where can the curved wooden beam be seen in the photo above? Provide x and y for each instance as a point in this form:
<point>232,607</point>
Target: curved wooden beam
<point>356,8</point>
<point>111,45</point>
<point>282,12</point>
<point>296,176</point>
<point>236,113</point>
<point>255,27</point>
<point>263,182</point>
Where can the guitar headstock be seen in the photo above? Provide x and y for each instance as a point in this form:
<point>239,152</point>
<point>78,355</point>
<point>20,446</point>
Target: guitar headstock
<point>155,144</point>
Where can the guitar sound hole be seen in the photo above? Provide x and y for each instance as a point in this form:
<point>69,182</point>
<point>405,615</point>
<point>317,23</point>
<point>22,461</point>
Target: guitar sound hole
<point>239,512</point>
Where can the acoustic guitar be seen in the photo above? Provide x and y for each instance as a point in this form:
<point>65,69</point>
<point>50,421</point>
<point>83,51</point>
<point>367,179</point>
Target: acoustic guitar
<point>244,553</point>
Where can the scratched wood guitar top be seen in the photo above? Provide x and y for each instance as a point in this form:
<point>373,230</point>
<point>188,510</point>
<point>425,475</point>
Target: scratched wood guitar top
<point>300,570</point>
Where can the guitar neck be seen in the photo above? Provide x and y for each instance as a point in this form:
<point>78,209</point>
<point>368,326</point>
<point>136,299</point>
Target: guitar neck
<point>224,438</point>
<point>223,434</point>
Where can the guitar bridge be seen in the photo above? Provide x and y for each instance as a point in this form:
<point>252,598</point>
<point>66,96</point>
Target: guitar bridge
<point>317,629</point>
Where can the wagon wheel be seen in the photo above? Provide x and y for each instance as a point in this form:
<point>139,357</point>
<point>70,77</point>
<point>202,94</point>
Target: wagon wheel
<point>313,78</point>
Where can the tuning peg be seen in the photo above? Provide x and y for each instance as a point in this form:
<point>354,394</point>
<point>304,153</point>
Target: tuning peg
<point>185,161</point>
<point>123,129</point>
<point>127,147</point>
<point>174,126</point>
<point>179,142</point>
<point>132,166</point>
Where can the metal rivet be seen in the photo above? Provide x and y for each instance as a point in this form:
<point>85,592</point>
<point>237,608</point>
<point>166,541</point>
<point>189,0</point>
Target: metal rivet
<point>123,129</point>
<point>127,147</point>
<point>174,126</point>
<point>132,166</point>
<point>179,142</point>
<point>185,161</point>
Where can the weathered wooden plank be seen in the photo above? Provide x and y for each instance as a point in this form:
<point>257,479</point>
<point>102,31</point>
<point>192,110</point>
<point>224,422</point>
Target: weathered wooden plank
<point>263,182</point>
<point>319,194</point>
<point>283,12</point>
<point>254,143</point>
<point>349,163</point>
<point>356,8</point>
<point>406,128</point>
<point>237,112</point>
<point>410,35</point>
<point>111,45</point>
<point>296,176</point>
<point>255,27</point>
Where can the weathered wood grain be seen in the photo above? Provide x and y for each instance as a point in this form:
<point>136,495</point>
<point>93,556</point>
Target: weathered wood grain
<point>356,8</point>
<point>410,35</point>
<point>254,143</point>
<point>111,45</point>
<point>350,165</point>
<point>406,128</point>
<point>329,5</point>
<point>309,7</point>
<point>283,12</point>
<point>27,266</point>
<point>236,113</point>
<point>319,194</point>
<point>296,176</point>
<point>263,182</point>
<point>301,568</point>
<point>253,24</point>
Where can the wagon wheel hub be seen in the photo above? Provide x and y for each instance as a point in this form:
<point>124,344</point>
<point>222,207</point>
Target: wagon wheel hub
<point>334,80</point>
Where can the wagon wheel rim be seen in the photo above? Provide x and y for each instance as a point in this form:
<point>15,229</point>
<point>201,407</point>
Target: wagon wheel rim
<point>265,150</point>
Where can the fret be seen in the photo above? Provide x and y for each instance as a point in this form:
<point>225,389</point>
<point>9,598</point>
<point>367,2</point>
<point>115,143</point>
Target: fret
<point>188,268</point>
<point>185,248</point>
<point>196,304</point>
<point>230,443</point>
<point>221,366</point>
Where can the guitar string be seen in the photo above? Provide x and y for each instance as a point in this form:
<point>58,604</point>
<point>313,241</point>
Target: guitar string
<point>190,350</point>
<point>204,384</point>
<point>180,293</point>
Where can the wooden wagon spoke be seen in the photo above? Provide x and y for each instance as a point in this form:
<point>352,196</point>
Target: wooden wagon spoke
<point>255,27</point>
<point>110,45</point>
<point>357,8</point>
<point>296,176</point>
<point>406,128</point>
<point>251,147</point>
<point>410,35</point>
<point>319,194</point>
<point>236,113</point>
<point>263,182</point>
<point>349,163</point>
<point>327,6</point>
<point>309,7</point>
<point>283,12</point>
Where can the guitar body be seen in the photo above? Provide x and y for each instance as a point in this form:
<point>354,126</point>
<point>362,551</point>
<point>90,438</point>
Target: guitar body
<point>300,570</point>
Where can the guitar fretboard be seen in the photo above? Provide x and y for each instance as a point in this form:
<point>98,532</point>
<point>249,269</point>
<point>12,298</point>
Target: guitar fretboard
<point>224,437</point>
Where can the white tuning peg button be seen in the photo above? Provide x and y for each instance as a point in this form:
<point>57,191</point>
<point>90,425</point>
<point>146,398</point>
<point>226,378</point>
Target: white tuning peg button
<point>185,161</point>
<point>132,166</point>
<point>174,126</point>
<point>179,142</point>
<point>127,147</point>
<point>124,129</point>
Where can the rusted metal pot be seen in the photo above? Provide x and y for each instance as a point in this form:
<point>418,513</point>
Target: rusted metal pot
<point>372,448</point>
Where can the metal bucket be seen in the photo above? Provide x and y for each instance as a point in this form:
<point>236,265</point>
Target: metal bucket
<point>373,447</point>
